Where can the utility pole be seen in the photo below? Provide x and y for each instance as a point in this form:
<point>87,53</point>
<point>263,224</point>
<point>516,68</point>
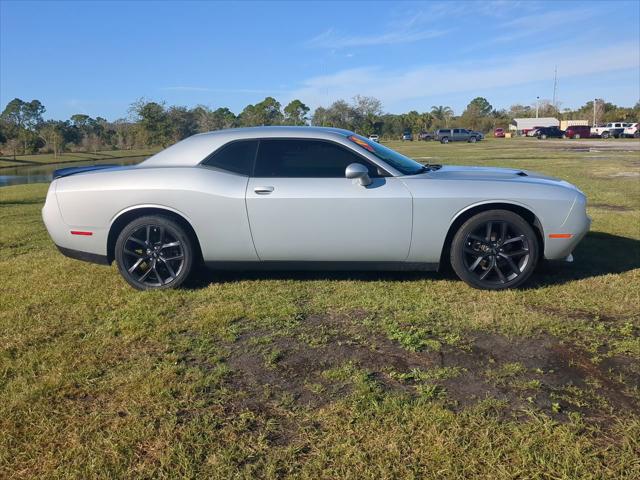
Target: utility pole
<point>555,86</point>
<point>537,106</point>
<point>594,111</point>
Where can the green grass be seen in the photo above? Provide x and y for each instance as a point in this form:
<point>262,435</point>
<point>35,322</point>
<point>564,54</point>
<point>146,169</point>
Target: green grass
<point>45,158</point>
<point>345,375</point>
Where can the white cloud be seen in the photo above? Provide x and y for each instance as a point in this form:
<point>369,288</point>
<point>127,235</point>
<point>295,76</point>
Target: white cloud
<point>393,87</point>
<point>331,39</point>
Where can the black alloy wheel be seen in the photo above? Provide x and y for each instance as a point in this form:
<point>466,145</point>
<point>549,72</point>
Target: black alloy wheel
<point>154,252</point>
<point>494,250</point>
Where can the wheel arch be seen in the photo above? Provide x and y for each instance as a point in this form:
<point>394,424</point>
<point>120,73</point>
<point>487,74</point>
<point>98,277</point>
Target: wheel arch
<point>464,215</point>
<point>122,219</point>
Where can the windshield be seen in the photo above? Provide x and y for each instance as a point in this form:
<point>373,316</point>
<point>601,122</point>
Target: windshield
<point>398,161</point>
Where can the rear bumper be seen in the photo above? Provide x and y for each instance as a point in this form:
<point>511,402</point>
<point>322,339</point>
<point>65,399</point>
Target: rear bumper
<point>84,256</point>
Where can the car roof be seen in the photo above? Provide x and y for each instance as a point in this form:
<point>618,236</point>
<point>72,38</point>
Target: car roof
<point>191,151</point>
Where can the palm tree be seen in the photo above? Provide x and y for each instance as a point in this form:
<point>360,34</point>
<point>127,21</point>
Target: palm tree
<point>442,113</point>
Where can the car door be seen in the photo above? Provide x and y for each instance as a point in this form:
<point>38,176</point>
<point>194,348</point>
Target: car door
<point>302,208</point>
<point>455,134</point>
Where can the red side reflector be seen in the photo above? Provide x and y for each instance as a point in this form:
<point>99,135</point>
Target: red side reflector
<point>80,232</point>
<point>560,235</point>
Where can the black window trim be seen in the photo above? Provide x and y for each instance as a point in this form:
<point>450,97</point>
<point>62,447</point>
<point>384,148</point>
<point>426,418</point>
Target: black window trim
<point>325,140</point>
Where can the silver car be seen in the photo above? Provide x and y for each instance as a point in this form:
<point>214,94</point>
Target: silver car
<point>312,198</point>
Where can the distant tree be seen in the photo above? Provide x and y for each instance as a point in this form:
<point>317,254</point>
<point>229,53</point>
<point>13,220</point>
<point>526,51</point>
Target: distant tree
<point>53,133</point>
<point>481,105</point>
<point>320,117</point>
<point>295,113</point>
<point>268,112</point>
<point>154,122</point>
<point>24,118</point>
<point>224,118</point>
<point>442,113</point>
<point>521,111</point>
<point>182,123</point>
<point>367,113</point>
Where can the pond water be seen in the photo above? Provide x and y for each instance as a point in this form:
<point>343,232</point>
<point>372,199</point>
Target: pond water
<point>43,173</point>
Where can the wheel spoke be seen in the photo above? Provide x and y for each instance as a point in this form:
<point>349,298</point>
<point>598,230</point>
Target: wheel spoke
<point>146,274</point>
<point>136,265</point>
<point>514,254</point>
<point>138,241</point>
<point>130,252</point>
<point>519,238</point>
<point>471,251</point>
<point>487,271</point>
<point>171,272</point>
<point>148,234</point>
<point>477,238</point>
<point>500,274</point>
<point>157,275</point>
<point>475,264</point>
<point>488,232</point>
<point>161,240</point>
<point>171,244</point>
<point>512,264</point>
<point>503,231</point>
<point>177,257</point>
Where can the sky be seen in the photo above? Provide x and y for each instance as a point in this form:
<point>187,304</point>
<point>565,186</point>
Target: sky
<point>99,57</point>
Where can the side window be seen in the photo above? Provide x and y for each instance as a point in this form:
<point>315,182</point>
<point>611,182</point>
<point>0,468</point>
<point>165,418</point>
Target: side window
<point>305,159</point>
<point>456,130</point>
<point>236,157</point>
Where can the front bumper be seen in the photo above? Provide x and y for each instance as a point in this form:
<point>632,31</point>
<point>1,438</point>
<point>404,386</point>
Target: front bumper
<point>576,224</point>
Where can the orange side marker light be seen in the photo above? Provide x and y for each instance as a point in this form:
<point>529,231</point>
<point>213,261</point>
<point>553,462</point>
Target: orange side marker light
<point>560,235</point>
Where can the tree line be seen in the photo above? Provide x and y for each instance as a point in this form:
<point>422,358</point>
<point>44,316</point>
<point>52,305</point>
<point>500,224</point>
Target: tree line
<point>23,129</point>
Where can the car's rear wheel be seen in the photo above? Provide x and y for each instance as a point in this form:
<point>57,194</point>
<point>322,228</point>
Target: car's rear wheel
<point>444,140</point>
<point>473,139</point>
<point>543,136</point>
<point>154,252</point>
<point>494,250</point>
<point>605,134</point>
<point>577,136</point>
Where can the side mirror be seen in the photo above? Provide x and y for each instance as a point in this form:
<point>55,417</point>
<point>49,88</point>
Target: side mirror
<point>359,172</point>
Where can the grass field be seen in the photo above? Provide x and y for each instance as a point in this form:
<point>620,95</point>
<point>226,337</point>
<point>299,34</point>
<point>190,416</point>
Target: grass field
<point>362,376</point>
<point>43,159</point>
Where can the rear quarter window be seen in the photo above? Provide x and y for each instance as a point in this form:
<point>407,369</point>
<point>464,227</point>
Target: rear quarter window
<point>235,157</point>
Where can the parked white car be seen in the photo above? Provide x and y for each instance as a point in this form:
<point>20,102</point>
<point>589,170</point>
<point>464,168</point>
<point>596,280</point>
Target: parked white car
<point>631,131</point>
<point>374,138</point>
<point>611,129</point>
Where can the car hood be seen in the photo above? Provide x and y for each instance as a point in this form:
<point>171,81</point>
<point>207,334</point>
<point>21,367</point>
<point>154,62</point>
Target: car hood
<point>491,174</point>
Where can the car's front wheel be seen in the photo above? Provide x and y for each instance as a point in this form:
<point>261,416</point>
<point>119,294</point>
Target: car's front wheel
<point>154,252</point>
<point>605,134</point>
<point>494,250</point>
<point>444,140</point>
<point>473,139</point>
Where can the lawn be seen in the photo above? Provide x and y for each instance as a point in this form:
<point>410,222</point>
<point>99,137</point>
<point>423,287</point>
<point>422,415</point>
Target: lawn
<point>68,157</point>
<point>349,375</point>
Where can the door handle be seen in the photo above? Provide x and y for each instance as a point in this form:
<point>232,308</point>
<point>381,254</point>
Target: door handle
<point>263,190</point>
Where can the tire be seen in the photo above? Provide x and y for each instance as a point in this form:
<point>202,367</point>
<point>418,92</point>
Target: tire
<point>444,140</point>
<point>154,253</point>
<point>494,250</point>
<point>473,140</point>
<point>564,136</point>
<point>577,136</point>
<point>605,135</point>
<point>543,136</point>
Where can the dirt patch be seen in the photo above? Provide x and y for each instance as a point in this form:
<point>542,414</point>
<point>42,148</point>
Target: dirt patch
<point>538,373</point>
<point>610,207</point>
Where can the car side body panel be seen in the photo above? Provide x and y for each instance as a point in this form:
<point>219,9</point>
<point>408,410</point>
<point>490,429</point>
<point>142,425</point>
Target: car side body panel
<point>211,200</point>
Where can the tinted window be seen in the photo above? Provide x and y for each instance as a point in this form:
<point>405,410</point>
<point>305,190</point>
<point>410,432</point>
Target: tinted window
<point>236,157</point>
<point>305,158</point>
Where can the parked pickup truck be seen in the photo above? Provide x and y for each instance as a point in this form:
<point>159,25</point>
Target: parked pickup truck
<point>612,129</point>
<point>446,135</point>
